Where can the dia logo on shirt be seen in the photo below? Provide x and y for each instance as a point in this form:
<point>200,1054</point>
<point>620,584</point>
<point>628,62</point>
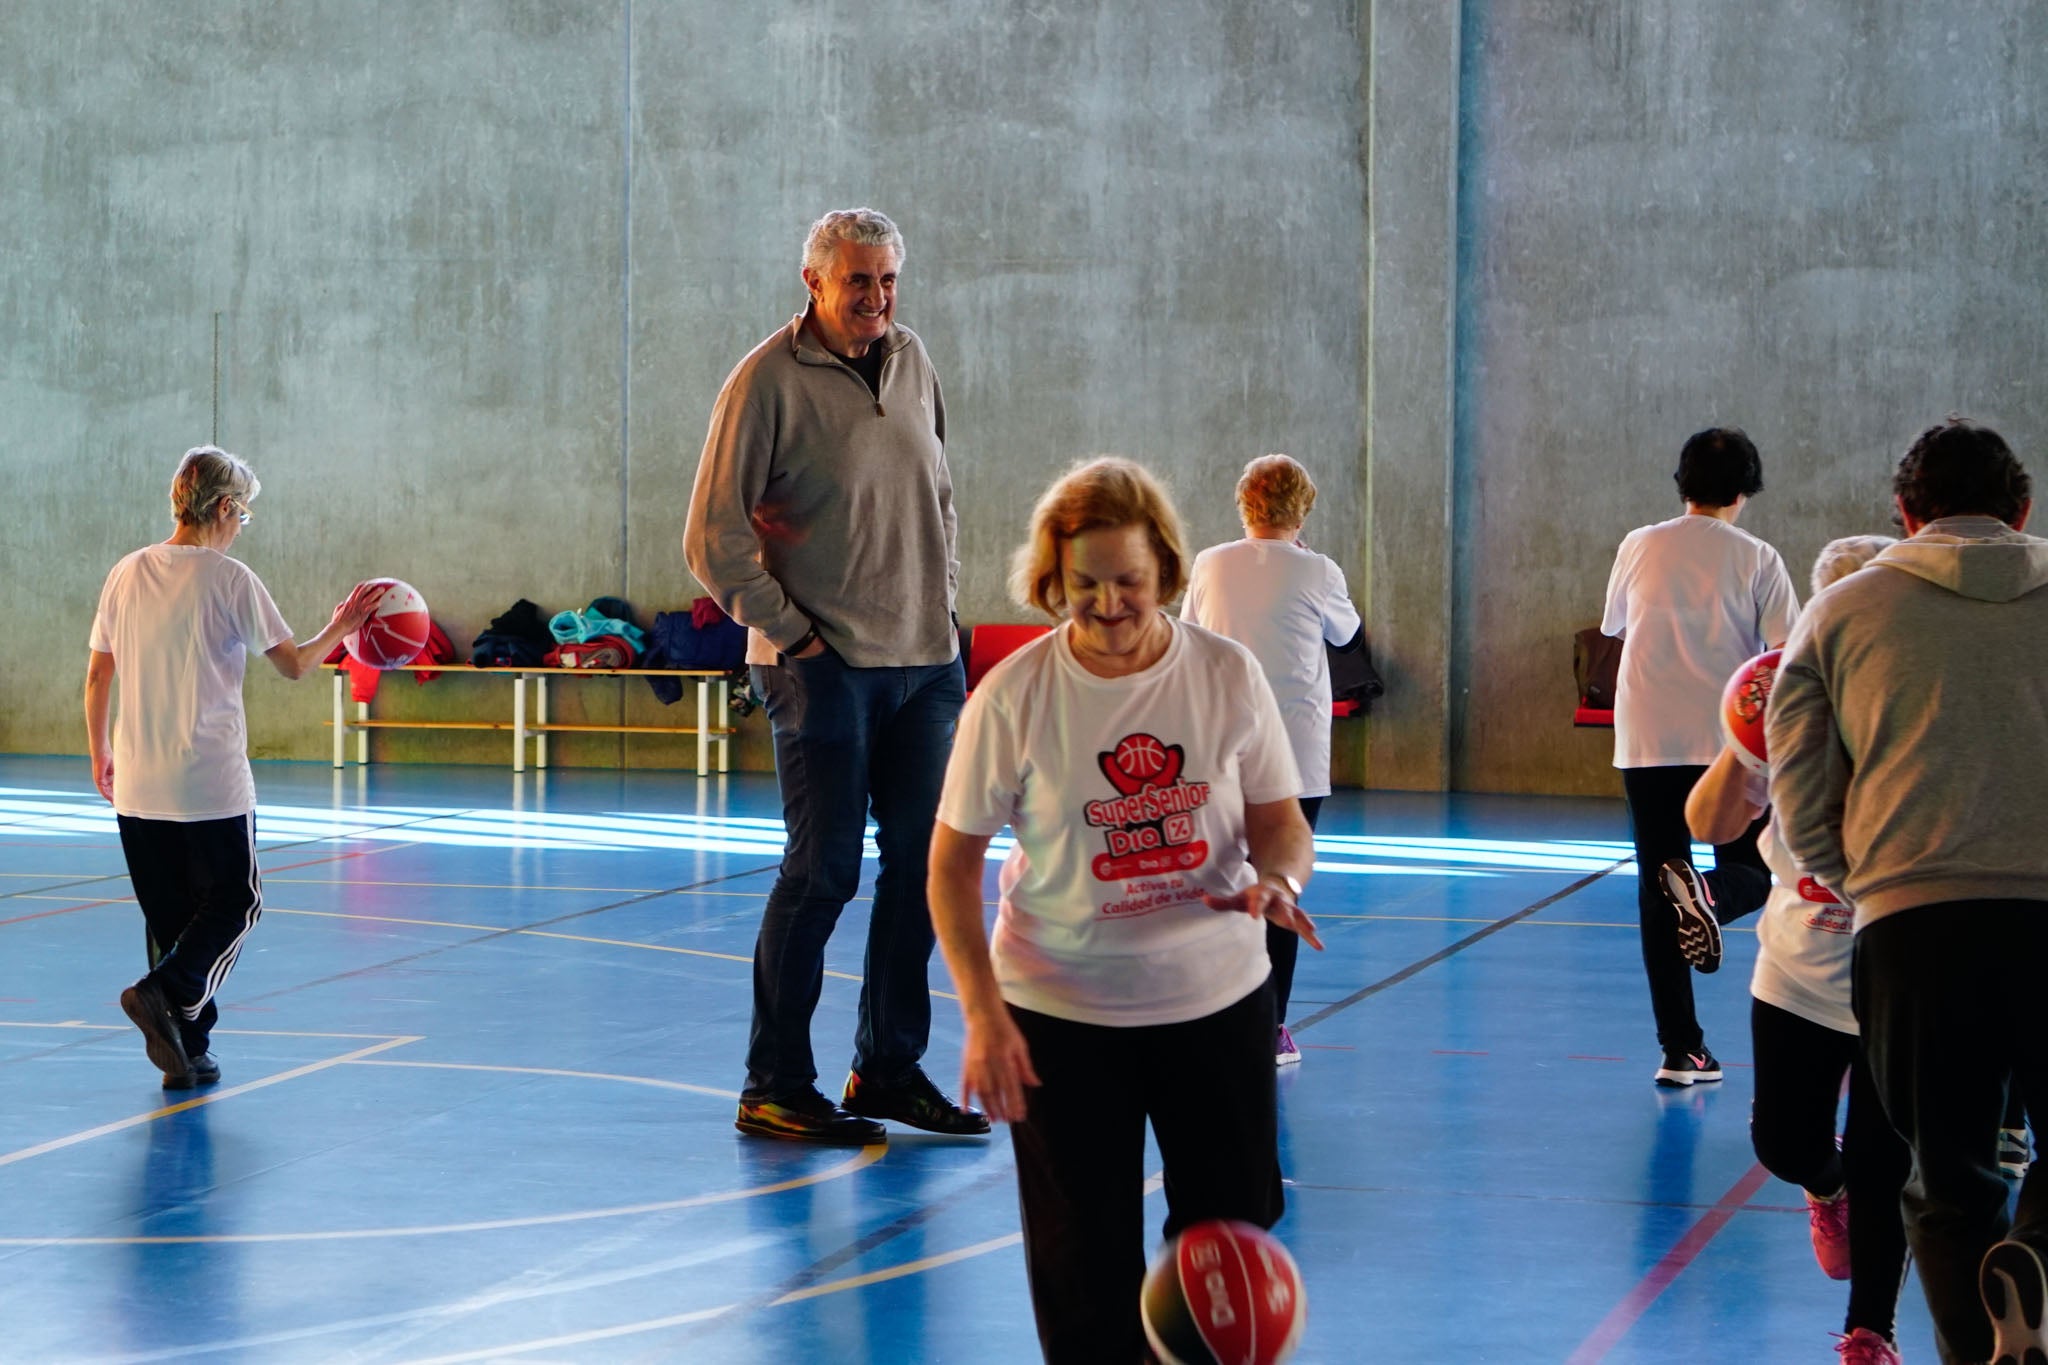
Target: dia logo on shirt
<point>1150,826</point>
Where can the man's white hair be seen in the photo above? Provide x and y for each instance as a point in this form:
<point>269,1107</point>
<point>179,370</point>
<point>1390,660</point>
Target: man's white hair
<point>208,476</point>
<point>1840,558</point>
<point>862,226</point>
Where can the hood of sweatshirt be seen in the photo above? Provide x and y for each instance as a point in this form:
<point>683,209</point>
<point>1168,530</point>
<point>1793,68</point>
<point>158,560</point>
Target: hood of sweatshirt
<point>1975,557</point>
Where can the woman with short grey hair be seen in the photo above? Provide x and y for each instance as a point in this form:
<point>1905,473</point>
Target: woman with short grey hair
<point>177,620</point>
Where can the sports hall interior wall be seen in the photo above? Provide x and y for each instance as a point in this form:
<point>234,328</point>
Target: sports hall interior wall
<point>477,270</point>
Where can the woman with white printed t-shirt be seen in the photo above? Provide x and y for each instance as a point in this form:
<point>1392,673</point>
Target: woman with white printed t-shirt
<point>1805,1044</point>
<point>1142,765</point>
<point>1283,602</point>
<point>1691,598</point>
<point>176,622</point>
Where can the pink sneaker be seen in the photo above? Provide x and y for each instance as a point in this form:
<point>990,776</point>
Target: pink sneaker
<point>1285,1053</point>
<point>1830,1219</point>
<point>1865,1347</point>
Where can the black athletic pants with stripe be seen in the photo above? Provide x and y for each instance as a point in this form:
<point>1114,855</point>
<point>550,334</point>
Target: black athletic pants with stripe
<point>200,894</point>
<point>1208,1088</point>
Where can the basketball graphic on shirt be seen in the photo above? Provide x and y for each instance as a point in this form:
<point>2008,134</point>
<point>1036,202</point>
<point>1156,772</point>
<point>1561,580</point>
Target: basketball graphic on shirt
<point>1141,756</point>
<point>396,632</point>
<point>1139,761</point>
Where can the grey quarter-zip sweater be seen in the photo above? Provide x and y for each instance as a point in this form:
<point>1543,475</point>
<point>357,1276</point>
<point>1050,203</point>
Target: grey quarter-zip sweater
<point>1908,726</point>
<point>820,502</point>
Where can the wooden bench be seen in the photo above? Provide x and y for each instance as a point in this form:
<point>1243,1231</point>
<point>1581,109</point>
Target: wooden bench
<point>539,728</point>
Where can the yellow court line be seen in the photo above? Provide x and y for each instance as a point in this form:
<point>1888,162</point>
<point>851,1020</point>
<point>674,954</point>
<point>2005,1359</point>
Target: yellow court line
<point>865,1157</point>
<point>816,1291</point>
<point>628,1329</point>
<point>1321,915</point>
<point>521,886</point>
<point>897,1272</point>
<point>557,1071</point>
<point>576,1338</point>
<point>237,1032</point>
<point>463,886</point>
<point>569,938</point>
<point>212,1097</point>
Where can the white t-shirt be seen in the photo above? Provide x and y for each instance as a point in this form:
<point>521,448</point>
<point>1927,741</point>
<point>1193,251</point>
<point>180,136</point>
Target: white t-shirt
<point>1804,947</point>
<point>179,621</point>
<point>1280,601</point>
<point>1691,598</point>
<point>1127,797</point>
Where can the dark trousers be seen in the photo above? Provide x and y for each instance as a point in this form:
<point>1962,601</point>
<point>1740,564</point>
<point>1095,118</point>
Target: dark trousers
<point>1949,999</point>
<point>200,894</point>
<point>1799,1071</point>
<point>850,742</point>
<point>1207,1086</point>
<point>1739,882</point>
<point>1284,945</point>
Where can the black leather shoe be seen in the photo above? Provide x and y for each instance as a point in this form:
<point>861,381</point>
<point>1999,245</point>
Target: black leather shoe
<point>809,1117</point>
<point>144,1003</point>
<point>205,1071</point>
<point>915,1101</point>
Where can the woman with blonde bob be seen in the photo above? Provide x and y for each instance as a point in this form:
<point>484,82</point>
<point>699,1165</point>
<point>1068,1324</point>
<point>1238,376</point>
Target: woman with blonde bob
<point>177,621</point>
<point>1283,602</point>
<point>1142,765</point>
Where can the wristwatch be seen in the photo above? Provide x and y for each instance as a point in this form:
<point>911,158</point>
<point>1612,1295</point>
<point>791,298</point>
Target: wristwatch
<point>1293,886</point>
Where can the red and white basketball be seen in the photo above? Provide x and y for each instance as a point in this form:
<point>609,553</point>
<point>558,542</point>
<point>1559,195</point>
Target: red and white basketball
<point>1223,1293</point>
<point>1743,702</point>
<point>396,632</point>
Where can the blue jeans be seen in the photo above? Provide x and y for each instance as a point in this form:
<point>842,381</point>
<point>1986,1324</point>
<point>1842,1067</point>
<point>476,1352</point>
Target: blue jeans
<point>849,741</point>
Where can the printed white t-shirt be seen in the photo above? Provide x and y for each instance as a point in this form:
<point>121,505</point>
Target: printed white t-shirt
<point>180,621</point>
<point>1691,598</point>
<point>1127,798</point>
<point>1282,602</point>
<point>1805,946</point>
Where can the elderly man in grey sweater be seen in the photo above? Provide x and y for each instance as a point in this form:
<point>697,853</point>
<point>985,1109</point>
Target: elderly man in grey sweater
<point>1908,735</point>
<point>822,520</point>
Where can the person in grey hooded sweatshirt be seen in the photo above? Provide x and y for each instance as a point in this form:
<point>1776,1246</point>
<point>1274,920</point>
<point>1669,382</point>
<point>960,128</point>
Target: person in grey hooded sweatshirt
<point>1908,732</point>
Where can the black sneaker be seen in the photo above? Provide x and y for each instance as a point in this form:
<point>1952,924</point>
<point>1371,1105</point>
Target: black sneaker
<point>915,1101</point>
<point>2015,1290</point>
<point>146,1004</point>
<point>808,1117</point>
<point>1699,933</point>
<point>1691,1068</point>
<point>205,1071</point>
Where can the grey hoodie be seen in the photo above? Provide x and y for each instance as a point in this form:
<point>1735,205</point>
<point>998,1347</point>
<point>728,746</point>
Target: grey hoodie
<point>1908,728</point>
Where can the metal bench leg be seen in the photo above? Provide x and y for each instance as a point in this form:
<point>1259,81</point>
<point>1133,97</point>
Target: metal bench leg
<point>362,735</point>
<point>724,722</point>
<point>340,721</point>
<point>540,737</point>
<point>519,723</point>
<point>703,730</point>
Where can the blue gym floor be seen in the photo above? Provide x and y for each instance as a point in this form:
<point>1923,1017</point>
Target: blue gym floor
<point>481,1059</point>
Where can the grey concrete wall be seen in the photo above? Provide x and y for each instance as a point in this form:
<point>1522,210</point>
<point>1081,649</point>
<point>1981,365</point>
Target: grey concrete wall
<point>1410,591</point>
<point>480,268</point>
<point>1821,221</point>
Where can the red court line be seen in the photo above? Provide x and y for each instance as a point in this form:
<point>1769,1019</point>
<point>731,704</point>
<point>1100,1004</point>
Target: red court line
<point>1617,1323</point>
<point>45,914</point>
<point>336,858</point>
